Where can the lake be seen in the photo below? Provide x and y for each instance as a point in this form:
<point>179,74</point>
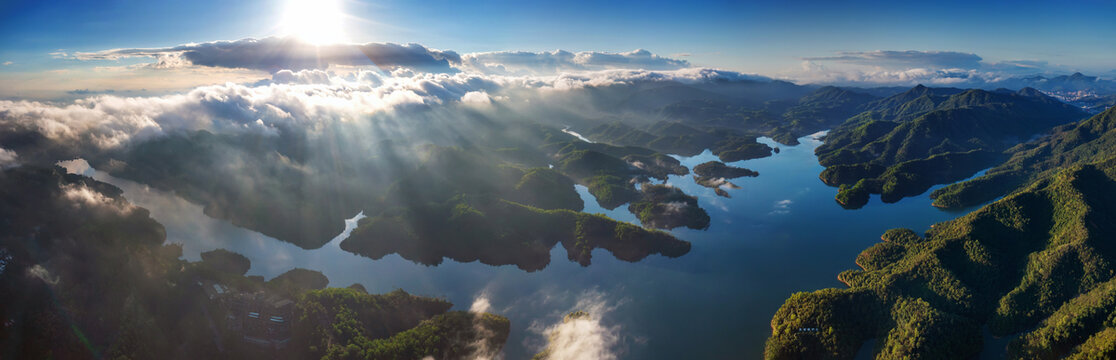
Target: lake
<point>780,233</point>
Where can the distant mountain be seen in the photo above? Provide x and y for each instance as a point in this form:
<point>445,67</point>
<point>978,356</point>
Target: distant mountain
<point>1091,93</point>
<point>1070,83</point>
<point>908,104</point>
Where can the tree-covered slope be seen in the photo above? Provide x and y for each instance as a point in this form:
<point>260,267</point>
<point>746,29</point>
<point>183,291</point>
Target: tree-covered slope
<point>342,323</point>
<point>1040,257</point>
<point>900,150</point>
<point>1088,141</point>
<point>677,138</point>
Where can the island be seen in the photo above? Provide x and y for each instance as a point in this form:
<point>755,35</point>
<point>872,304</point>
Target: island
<point>667,207</point>
<point>499,232</point>
<point>715,175</point>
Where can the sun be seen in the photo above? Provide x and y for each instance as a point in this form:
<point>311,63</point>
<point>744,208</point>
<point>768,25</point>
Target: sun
<point>318,22</point>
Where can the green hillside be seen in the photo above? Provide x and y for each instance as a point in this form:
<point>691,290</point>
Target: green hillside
<point>902,149</point>
<point>1037,262</point>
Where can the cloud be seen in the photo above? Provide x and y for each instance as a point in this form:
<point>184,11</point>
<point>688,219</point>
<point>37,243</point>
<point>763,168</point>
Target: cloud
<point>581,335</point>
<point>8,158</point>
<point>301,77</point>
<point>108,121</point>
<point>481,348</point>
<point>905,59</point>
<point>1019,66</point>
<point>940,68</point>
<point>675,207</point>
<point>284,53</point>
<point>83,196</point>
<point>782,207</point>
<point>814,72</point>
<point>84,92</point>
<point>481,304</point>
<point>6,63</point>
<point>310,100</point>
<point>274,54</point>
<point>39,272</point>
<point>476,98</point>
<point>558,61</point>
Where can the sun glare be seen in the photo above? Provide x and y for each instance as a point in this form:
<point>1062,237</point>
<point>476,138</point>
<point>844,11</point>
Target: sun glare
<point>315,21</point>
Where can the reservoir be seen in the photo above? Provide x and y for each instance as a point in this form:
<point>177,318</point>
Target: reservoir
<point>780,233</point>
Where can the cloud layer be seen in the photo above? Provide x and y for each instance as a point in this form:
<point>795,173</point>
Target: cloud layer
<point>307,99</point>
<point>905,59</point>
<point>278,53</point>
<point>941,68</point>
<point>558,61</point>
<point>275,54</point>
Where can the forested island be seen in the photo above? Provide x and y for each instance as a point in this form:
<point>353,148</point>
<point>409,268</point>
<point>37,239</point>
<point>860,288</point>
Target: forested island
<point>715,175</point>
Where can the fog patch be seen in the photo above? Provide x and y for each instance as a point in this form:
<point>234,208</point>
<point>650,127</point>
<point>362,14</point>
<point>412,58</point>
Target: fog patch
<point>481,350</point>
<point>581,335</point>
<point>782,207</point>
<point>481,304</point>
<point>8,158</point>
<point>41,273</point>
<point>83,196</point>
<point>674,207</point>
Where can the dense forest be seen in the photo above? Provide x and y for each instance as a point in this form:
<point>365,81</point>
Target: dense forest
<point>1036,264</point>
<point>902,145</point>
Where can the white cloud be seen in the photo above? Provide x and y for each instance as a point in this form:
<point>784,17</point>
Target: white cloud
<point>39,272</point>
<point>273,54</point>
<point>558,61</point>
<point>283,53</point>
<point>905,59</point>
<point>83,196</point>
<point>301,77</point>
<point>476,97</point>
<point>312,99</point>
<point>481,304</point>
<point>934,68</point>
<point>814,72</point>
<point>107,121</point>
<point>782,207</point>
<point>6,63</point>
<point>8,158</point>
<point>675,207</point>
<point>581,335</point>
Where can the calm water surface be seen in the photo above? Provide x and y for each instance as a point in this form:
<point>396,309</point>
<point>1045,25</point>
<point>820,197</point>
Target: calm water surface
<point>780,233</point>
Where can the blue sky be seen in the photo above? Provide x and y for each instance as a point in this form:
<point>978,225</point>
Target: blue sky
<point>763,37</point>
